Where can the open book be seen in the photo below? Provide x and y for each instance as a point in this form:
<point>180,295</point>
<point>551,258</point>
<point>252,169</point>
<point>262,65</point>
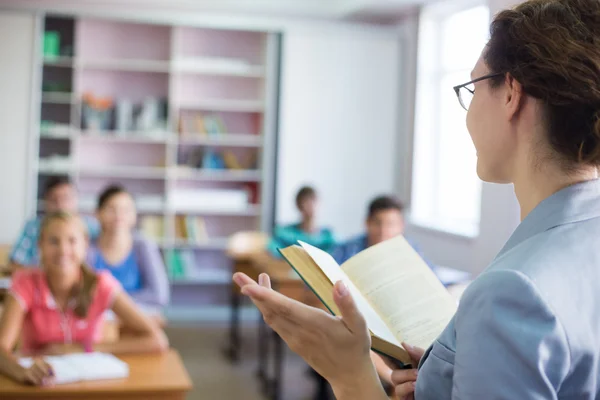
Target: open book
<point>399,296</point>
<point>71,368</point>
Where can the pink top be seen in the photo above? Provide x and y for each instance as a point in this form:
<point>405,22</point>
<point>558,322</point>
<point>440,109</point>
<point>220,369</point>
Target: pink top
<point>46,324</point>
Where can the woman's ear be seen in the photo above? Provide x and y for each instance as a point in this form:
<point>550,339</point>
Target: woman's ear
<point>513,97</point>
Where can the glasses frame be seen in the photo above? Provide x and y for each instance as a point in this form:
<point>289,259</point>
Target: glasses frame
<point>464,85</point>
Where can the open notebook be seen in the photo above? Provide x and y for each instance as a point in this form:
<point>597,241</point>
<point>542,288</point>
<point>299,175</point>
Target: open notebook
<point>78,367</point>
<point>400,297</point>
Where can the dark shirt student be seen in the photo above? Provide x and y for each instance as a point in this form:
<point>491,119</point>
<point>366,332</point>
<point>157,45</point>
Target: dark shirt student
<point>385,220</point>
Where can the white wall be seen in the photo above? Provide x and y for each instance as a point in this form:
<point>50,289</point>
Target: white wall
<point>17,31</point>
<point>339,100</point>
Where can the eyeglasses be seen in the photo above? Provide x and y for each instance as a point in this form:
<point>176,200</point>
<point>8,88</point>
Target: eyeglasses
<point>465,94</point>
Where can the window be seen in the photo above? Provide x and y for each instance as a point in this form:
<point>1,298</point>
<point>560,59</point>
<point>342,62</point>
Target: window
<point>446,192</point>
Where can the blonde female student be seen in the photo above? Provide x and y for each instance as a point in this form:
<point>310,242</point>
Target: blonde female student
<point>59,307</point>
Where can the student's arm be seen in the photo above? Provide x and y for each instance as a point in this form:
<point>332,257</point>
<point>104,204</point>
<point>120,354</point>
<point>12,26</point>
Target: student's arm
<point>148,337</point>
<point>11,320</point>
<point>155,288</point>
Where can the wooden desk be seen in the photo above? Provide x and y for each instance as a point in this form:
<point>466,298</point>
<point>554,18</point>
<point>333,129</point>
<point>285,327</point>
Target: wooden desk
<point>151,377</point>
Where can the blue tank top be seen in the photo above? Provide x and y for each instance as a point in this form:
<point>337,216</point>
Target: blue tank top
<point>126,272</point>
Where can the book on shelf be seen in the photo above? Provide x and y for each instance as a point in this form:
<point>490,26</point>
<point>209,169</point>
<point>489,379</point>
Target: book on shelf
<point>191,228</point>
<point>399,296</point>
<point>180,263</point>
<point>174,264</point>
<point>231,161</point>
<point>199,124</point>
<point>152,227</point>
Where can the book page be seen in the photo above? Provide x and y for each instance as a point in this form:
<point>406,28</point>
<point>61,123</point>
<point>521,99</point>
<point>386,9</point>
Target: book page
<point>334,273</point>
<point>403,291</point>
<point>71,368</point>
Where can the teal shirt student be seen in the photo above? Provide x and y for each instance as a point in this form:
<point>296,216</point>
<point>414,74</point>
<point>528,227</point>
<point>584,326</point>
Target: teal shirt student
<point>288,235</point>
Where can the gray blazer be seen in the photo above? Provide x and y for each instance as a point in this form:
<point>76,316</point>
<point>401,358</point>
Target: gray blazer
<point>529,326</point>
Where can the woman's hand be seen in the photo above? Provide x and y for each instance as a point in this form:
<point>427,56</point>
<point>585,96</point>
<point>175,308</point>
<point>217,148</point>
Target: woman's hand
<point>40,374</point>
<point>336,347</point>
<point>405,379</point>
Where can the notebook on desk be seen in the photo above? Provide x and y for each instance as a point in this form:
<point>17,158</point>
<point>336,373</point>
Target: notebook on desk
<point>71,368</point>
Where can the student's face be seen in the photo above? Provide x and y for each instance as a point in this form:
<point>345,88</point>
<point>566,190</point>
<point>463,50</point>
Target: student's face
<point>63,245</point>
<point>118,214</point>
<point>62,198</point>
<point>490,127</point>
<point>384,225</point>
<point>308,207</point>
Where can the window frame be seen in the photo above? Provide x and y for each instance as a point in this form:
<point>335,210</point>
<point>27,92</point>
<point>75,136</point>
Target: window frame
<point>433,16</point>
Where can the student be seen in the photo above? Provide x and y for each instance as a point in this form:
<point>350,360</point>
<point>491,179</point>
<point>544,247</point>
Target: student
<point>133,260</point>
<point>529,326</point>
<point>59,195</point>
<point>59,307</point>
<point>306,230</point>
<point>385,220</point>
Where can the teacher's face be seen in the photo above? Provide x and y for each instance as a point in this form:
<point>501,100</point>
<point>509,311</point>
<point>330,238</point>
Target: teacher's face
<point>490,128</point>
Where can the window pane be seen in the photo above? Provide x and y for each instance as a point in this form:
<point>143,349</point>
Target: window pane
<point>462,37</point>
<point>459,186</point>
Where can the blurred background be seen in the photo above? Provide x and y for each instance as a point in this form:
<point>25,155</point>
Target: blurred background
<point>214,113</point>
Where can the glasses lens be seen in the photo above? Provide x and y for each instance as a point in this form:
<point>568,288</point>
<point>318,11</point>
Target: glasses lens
<point>465,97</point>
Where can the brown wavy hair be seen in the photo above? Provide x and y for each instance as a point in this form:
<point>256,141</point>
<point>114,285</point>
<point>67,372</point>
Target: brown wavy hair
<point>83,292</point>
<point>552,48</point>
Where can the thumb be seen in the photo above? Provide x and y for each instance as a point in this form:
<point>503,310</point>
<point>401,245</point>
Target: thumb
<point>350,313</point>
<point>415,353</point>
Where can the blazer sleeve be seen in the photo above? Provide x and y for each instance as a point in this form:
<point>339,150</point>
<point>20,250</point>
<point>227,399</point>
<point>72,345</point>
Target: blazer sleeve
<point>509,343</point>
<point>155,283</point>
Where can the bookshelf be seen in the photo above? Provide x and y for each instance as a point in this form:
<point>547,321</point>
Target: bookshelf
<point>182,116</point>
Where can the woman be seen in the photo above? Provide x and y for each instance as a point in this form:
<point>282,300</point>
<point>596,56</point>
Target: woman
<point>134,261</point>
<point>528,327</point>
<point>59,307</point>
<point>307,229</point>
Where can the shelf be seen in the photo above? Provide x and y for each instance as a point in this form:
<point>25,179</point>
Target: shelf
<point>225,139</point>
<point>64,62</point>
<point>250,211</point>
<point>85,206</point>
<point>210,244</point>
<point>124,172</point>
<point>207,277</point>
<point>58,98</point>
<point>210,67</point>
<point>54,169</point>
<point>217,175</point>
<point>132,65</point>
<point>59,135</point>
<point>126,137</point>
<point>248,106</point>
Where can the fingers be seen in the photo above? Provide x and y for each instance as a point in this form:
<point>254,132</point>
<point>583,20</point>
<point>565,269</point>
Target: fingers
<point>242,279</point>
<point>415,353</point>
<point>264,280</point>
<point>351,316</point>
<point>404,381</point>
<point>401,376</point>
<point>46,368</point>
<point>405,391</point>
